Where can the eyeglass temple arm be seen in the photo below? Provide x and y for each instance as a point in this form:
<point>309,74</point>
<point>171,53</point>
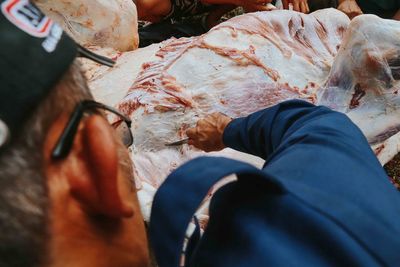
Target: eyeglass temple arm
<point>66,139</point>
<point>111,109</point>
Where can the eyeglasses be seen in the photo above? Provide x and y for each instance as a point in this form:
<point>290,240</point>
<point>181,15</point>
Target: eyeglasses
<point>64,143</point>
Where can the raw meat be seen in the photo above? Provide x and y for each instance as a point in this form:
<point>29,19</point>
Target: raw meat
<point>239,67</point>
<point>249,63</point>
<point>104,23</point>
<point>365,80</point>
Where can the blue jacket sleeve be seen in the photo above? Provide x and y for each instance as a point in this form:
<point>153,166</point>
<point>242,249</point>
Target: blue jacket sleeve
<point>323,159</point>
<point>271,131</point>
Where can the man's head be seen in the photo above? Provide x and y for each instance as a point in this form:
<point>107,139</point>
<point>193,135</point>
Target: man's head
<point>78,210</point>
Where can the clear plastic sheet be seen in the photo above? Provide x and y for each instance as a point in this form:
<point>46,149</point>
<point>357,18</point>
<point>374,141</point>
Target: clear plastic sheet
<point>365,80</point>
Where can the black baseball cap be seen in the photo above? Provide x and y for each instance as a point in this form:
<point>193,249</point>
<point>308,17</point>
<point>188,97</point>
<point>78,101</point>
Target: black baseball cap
<point>34,54</point>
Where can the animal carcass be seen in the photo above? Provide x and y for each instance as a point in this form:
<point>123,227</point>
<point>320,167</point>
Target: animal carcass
<point>104,23</point>
<point>249,63</point>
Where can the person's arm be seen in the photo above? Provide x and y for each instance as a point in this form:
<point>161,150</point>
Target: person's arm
<point>234,2</point>
<point>221,2</point>
<point>152,10</point>
<point>276,129</point>
<point>280,126</point>
<point>248,5</point>
<point>397,15</point>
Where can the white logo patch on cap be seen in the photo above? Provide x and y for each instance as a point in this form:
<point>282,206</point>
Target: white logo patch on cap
<point>27,17</point>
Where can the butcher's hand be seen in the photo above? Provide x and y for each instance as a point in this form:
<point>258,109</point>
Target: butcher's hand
<point>350,8</point>
<point>298,5</point>
<point>208,133</point>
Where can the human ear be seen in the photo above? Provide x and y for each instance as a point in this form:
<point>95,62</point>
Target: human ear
<point>94,182</point>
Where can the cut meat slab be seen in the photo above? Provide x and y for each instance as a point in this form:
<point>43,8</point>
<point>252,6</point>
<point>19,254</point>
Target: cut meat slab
<point>239,67</point>
<point>249,63</point>
<point>104,23</point>
<point>365,80</point>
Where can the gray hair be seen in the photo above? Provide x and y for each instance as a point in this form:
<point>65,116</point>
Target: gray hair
<point>23,192</point>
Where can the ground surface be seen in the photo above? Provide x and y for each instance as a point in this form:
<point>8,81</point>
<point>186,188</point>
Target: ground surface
<point>393,170</point>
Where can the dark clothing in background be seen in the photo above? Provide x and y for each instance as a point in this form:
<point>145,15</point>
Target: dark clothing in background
<point>315,5</point>
<point>175,26</point>
<point>322,198</point>
<point>382,8</point>
<point>161,31</point>
<point>176,23</point>
<point>185,8</point>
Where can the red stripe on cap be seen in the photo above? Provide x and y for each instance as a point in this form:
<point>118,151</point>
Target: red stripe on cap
<point>41,32</point>
<point>13,3</point>
<point>48,24</point>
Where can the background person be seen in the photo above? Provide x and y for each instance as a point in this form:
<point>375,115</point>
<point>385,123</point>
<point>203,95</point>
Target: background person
<point>78,208</point>
<point>185,18</point>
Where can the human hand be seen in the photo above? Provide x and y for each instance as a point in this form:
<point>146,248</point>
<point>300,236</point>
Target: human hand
<point>298,5</point>
<point>207,135</point>
<point>350,8</point>
<point>256,5</point>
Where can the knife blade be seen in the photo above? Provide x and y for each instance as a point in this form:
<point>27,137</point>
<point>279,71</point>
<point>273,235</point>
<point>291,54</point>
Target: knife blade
<point>178,143</point>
